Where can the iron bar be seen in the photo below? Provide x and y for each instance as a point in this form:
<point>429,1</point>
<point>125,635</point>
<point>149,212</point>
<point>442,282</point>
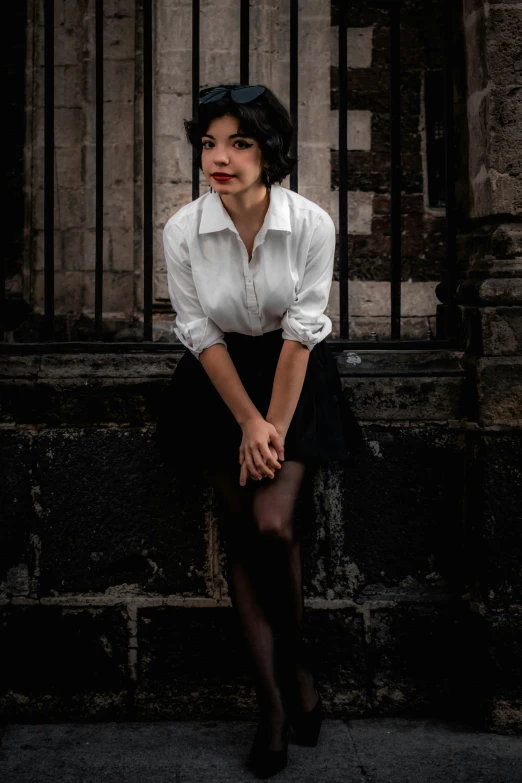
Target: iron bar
<point>449,263</point>
<point>49,171</point>
<point>195,88</point>
<point>294,88</point>
<point>98,270</point>
<point>148,89</point>
<point>244,42</point>
<point>395,139</point>
<point>344,325</point>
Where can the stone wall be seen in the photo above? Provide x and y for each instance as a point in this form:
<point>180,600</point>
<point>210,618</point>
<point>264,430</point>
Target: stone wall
<point>490,296</point>
<point>113,590</point>
<point>75,136</point>
<point>367,142</point>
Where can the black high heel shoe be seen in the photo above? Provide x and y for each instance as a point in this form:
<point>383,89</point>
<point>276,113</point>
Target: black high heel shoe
<point>265,762</point>
<point>306,725</point>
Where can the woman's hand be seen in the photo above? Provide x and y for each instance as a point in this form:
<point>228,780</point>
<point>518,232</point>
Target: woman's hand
<point>261,449</point>
<point>244,475</point>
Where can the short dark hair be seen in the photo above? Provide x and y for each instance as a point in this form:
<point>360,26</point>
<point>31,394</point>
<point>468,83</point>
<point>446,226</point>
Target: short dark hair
<point>265,119</point>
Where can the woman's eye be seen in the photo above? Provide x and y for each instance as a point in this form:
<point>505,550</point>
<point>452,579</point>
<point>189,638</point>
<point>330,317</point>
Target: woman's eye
<point>244,143</point>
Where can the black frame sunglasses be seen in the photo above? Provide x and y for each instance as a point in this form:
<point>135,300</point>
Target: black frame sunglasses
<point>238,94</point>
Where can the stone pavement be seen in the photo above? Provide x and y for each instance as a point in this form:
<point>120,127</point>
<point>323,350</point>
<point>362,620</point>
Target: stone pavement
<point>372,750</point>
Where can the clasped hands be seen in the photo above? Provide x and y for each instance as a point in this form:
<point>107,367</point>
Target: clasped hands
<point>261,450</point>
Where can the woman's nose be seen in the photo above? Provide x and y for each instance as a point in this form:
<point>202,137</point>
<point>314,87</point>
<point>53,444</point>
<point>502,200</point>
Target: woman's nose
<point>221,156</point>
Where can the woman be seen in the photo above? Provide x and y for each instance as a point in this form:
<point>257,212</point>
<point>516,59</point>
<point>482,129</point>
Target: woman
<point>256,400</point>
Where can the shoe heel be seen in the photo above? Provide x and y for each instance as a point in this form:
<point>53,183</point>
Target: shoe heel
<point>307,725</point>
<point>263,762</point>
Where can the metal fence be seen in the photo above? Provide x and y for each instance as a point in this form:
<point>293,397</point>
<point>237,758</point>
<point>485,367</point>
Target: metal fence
<point>446,289</point>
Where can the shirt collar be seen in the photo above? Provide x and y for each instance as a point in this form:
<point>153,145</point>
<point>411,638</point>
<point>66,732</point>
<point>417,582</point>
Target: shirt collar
<point>214,216</point>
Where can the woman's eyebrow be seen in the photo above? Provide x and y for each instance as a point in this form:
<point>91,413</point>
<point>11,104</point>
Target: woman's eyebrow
<point>232,136</point>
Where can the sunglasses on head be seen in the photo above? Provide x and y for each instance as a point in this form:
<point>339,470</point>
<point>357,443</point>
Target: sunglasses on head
<point>238,94</point>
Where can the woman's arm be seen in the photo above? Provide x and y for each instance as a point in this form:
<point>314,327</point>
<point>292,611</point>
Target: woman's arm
<point>222,372</point>
<point>288,383</point>
<point>255,451</point>
<point>304,325</point>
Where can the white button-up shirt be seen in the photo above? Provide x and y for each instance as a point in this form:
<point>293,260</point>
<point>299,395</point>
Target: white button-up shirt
<point>215,289</point>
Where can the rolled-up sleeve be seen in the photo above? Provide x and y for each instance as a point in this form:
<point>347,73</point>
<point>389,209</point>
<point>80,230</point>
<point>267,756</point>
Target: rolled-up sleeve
<point>305,320</point>
<point>195,330</point>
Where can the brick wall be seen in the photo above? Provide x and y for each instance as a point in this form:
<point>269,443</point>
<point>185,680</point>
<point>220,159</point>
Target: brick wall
<point>369,166</point>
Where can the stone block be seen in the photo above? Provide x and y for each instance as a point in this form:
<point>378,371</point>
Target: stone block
<point>499,389</point>
<point>118,166</point>
<point>506,193</point>
<point>19,502</point>
<point>68,45</point>
<point>69,170</point>
<point>477,68</point>
<point>269,50</point>
<point>359,136</point>
<point>335,644</point>
<point>412,659</point>
<point>118,207</point>
<point>118,293</point>
<point>491,291</point>
<point>119,80</point>
<point>506,125</point>
<point>68,127</point>
<point>501,330</point>
<point>103,534</point>
<point>71,290</point>
<point>496,548</point>
<point>119,38</point>
<point>359,44</point>
<point>506,241</point>
<point>503,44</point>
<point>68,208</point>
<point>118,123</point>
<point>88,262</point>
<point>192,662</point>
<point>68,86</point>
<point>160,288</point>
<point>413,399</point>
<point>69,249</point>
<point>370,298</point>
<point>352,535</point>
<point>167,161</point>
<point>504,674</point>
<point>173,27</point>
<point>313,168</point>
<point>170,111</point>
<point>118,250</point>
<point>360,211</point>
<point>72,14</point>
<point>39,643</point>
<point>492,675</point>
<point>168,199</point>
<point>174,72</point>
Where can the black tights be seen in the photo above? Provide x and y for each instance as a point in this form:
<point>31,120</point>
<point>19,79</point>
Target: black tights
<point>265,583</point>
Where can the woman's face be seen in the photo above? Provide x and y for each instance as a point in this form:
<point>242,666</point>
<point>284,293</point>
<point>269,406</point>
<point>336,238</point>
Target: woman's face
<point>223,151</point>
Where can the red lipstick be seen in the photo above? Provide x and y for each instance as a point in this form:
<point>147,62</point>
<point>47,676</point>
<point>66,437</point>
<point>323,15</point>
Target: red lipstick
<point>222,177</point>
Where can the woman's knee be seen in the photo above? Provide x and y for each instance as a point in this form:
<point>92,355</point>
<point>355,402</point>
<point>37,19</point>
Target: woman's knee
<point>273,525</point>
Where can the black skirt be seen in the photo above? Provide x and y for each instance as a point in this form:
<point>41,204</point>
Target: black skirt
<point>195,425</point>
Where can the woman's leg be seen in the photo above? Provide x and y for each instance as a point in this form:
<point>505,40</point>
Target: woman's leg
<point>242,543</point>
<point>280,556</point>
